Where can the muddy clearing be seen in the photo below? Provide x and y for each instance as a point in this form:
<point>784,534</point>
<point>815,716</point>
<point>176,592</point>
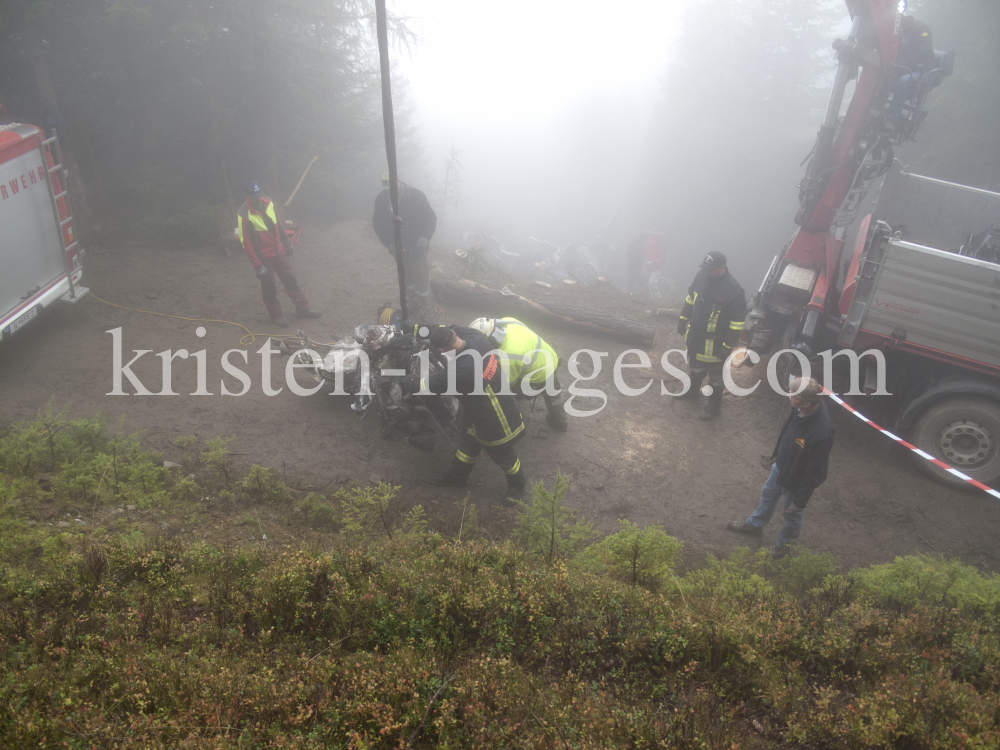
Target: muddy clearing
<point>643,458</point>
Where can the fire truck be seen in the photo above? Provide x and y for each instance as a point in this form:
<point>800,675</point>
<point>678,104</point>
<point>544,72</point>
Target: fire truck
<point>39,254</point>
<point>890,261</point>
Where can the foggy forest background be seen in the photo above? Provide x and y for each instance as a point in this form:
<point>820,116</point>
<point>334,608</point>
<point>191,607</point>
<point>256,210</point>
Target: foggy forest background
<point>166,108</point>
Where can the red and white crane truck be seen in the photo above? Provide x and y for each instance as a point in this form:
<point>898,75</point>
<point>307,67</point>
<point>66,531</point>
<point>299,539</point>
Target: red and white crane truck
<point>916,278</point>
<point>39,254</point>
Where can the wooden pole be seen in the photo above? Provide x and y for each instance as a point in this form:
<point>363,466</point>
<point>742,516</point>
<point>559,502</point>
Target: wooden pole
<point>301,180</point>
<point>390,148</point>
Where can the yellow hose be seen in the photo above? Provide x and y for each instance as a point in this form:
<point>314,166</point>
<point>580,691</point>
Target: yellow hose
<point>243,341</point>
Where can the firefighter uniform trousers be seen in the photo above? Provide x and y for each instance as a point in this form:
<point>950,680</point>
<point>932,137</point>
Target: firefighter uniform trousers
<point>280,267</point>
<point>504,455</point>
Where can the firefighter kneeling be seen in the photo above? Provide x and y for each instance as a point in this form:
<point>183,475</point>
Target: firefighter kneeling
<point>530,361</point>
<point>491,421</point>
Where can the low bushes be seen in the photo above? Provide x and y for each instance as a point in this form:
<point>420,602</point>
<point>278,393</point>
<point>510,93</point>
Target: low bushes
<point>395,636</point>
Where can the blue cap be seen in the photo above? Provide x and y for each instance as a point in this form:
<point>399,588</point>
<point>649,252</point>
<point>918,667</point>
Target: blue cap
<point>253,187</point>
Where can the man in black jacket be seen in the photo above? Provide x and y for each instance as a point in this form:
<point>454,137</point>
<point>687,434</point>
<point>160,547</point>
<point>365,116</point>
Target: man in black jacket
<point>491,421</point>
<point>798,466</point>
<point>711,323</point>
<point>419,223</point>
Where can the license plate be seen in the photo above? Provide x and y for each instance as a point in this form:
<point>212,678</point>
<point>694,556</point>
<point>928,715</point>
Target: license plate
<point>22,320</point>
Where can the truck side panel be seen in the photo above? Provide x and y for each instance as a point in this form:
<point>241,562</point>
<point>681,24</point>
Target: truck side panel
<point>938,300</point>
<point>30,251</point>
<point>934,213</point>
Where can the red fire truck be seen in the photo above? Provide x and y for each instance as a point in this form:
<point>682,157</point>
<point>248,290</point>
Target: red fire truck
<point>39,254</point>
<point>915,278</point>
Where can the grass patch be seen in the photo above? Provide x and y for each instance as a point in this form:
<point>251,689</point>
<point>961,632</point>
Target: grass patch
<point>382,633</point>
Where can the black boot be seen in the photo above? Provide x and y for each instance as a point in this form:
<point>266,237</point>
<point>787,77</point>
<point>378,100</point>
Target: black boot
<point>695,390</point>
<point>713,406</point>
<point>555,407</point>
<point>456,476</point>
<point>516,484</point>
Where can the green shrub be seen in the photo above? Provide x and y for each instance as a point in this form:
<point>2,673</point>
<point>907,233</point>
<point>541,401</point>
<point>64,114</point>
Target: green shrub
<point>912,580</point>
<point>639,556</point>
<point>806,570</point>
<point>319,513</point>
<point>547,528</point>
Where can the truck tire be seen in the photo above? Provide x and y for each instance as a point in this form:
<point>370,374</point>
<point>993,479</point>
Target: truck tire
<point>963,432</point>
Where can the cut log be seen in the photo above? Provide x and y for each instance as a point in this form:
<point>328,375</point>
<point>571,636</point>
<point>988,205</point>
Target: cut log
<point>490,301</point>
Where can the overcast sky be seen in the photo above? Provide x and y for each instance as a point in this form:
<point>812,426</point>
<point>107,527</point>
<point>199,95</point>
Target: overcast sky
<point>522,61</point>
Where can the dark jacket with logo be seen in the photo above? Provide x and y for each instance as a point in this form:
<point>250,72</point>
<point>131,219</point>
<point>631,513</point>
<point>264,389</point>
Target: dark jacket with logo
<point>492,418</point>
<point>419,219</point>
<point>715,310</point>
<point>802,453</point>
<point>916,45</point>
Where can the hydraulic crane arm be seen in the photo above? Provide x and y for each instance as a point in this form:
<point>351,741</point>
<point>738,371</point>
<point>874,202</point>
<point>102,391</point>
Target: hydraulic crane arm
<point>852,151</point>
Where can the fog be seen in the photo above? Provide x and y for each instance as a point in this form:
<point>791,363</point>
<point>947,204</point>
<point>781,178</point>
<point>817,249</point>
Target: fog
<point>571,121</point>
<point>587,123</point>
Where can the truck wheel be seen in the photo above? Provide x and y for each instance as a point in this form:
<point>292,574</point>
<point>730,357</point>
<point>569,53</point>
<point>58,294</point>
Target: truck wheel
<point>963,433</point>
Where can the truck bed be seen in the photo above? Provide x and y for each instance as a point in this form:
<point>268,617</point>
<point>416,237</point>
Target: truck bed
<point>932,299</point>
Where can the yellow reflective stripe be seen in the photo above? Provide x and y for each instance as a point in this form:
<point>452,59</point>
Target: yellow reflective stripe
<point>713,320</point>
<point>498,409</point>
<point>510,437</point>
<point>710,348</point>
<point>691,299</point>
<point>736,325</point>
<point>703,358</point>
<point>465,458</point>
<point>515,468</point>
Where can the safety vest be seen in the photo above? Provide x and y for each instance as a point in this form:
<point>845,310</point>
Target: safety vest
<point>518,341</point>
<point>256,223</point>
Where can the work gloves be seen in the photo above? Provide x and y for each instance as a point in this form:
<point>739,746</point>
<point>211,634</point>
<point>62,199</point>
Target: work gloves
<point>261,272</point>
<point>682,327</point>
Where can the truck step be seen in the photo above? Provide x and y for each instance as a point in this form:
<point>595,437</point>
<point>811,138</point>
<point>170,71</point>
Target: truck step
<point>81,292</point>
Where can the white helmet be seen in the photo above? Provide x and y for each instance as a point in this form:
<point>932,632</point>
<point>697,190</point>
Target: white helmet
<point>484,325</point>
<point>495,331</point>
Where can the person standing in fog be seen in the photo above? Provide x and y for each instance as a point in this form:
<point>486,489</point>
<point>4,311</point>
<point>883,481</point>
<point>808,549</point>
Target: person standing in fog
<point>268,248</point>
<point>419,223</point>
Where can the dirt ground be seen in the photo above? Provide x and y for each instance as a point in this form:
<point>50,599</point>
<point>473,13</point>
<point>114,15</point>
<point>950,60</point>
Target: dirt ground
<point>645,458</point>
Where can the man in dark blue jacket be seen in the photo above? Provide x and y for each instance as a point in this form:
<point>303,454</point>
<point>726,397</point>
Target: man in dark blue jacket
<point>798,466</point>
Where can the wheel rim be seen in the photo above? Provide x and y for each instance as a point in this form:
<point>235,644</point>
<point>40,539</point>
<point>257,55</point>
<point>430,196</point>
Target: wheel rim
<point>967,443</point>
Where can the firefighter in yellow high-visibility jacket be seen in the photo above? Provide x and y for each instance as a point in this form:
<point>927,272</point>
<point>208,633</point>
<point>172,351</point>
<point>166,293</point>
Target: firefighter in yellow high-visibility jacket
<point>529,361</point>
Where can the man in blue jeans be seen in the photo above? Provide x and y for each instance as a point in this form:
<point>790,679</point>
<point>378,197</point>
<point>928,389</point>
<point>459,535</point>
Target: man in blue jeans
<point>798,466</point>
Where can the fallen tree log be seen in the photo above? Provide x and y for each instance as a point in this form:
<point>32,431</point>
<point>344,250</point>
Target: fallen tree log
<point>492,302</point>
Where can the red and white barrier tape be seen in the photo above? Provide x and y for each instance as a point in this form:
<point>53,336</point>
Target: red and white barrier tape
<point>915,449</point>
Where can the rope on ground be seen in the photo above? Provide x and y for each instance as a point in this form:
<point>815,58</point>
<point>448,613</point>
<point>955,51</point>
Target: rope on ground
<point>246,340</point>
